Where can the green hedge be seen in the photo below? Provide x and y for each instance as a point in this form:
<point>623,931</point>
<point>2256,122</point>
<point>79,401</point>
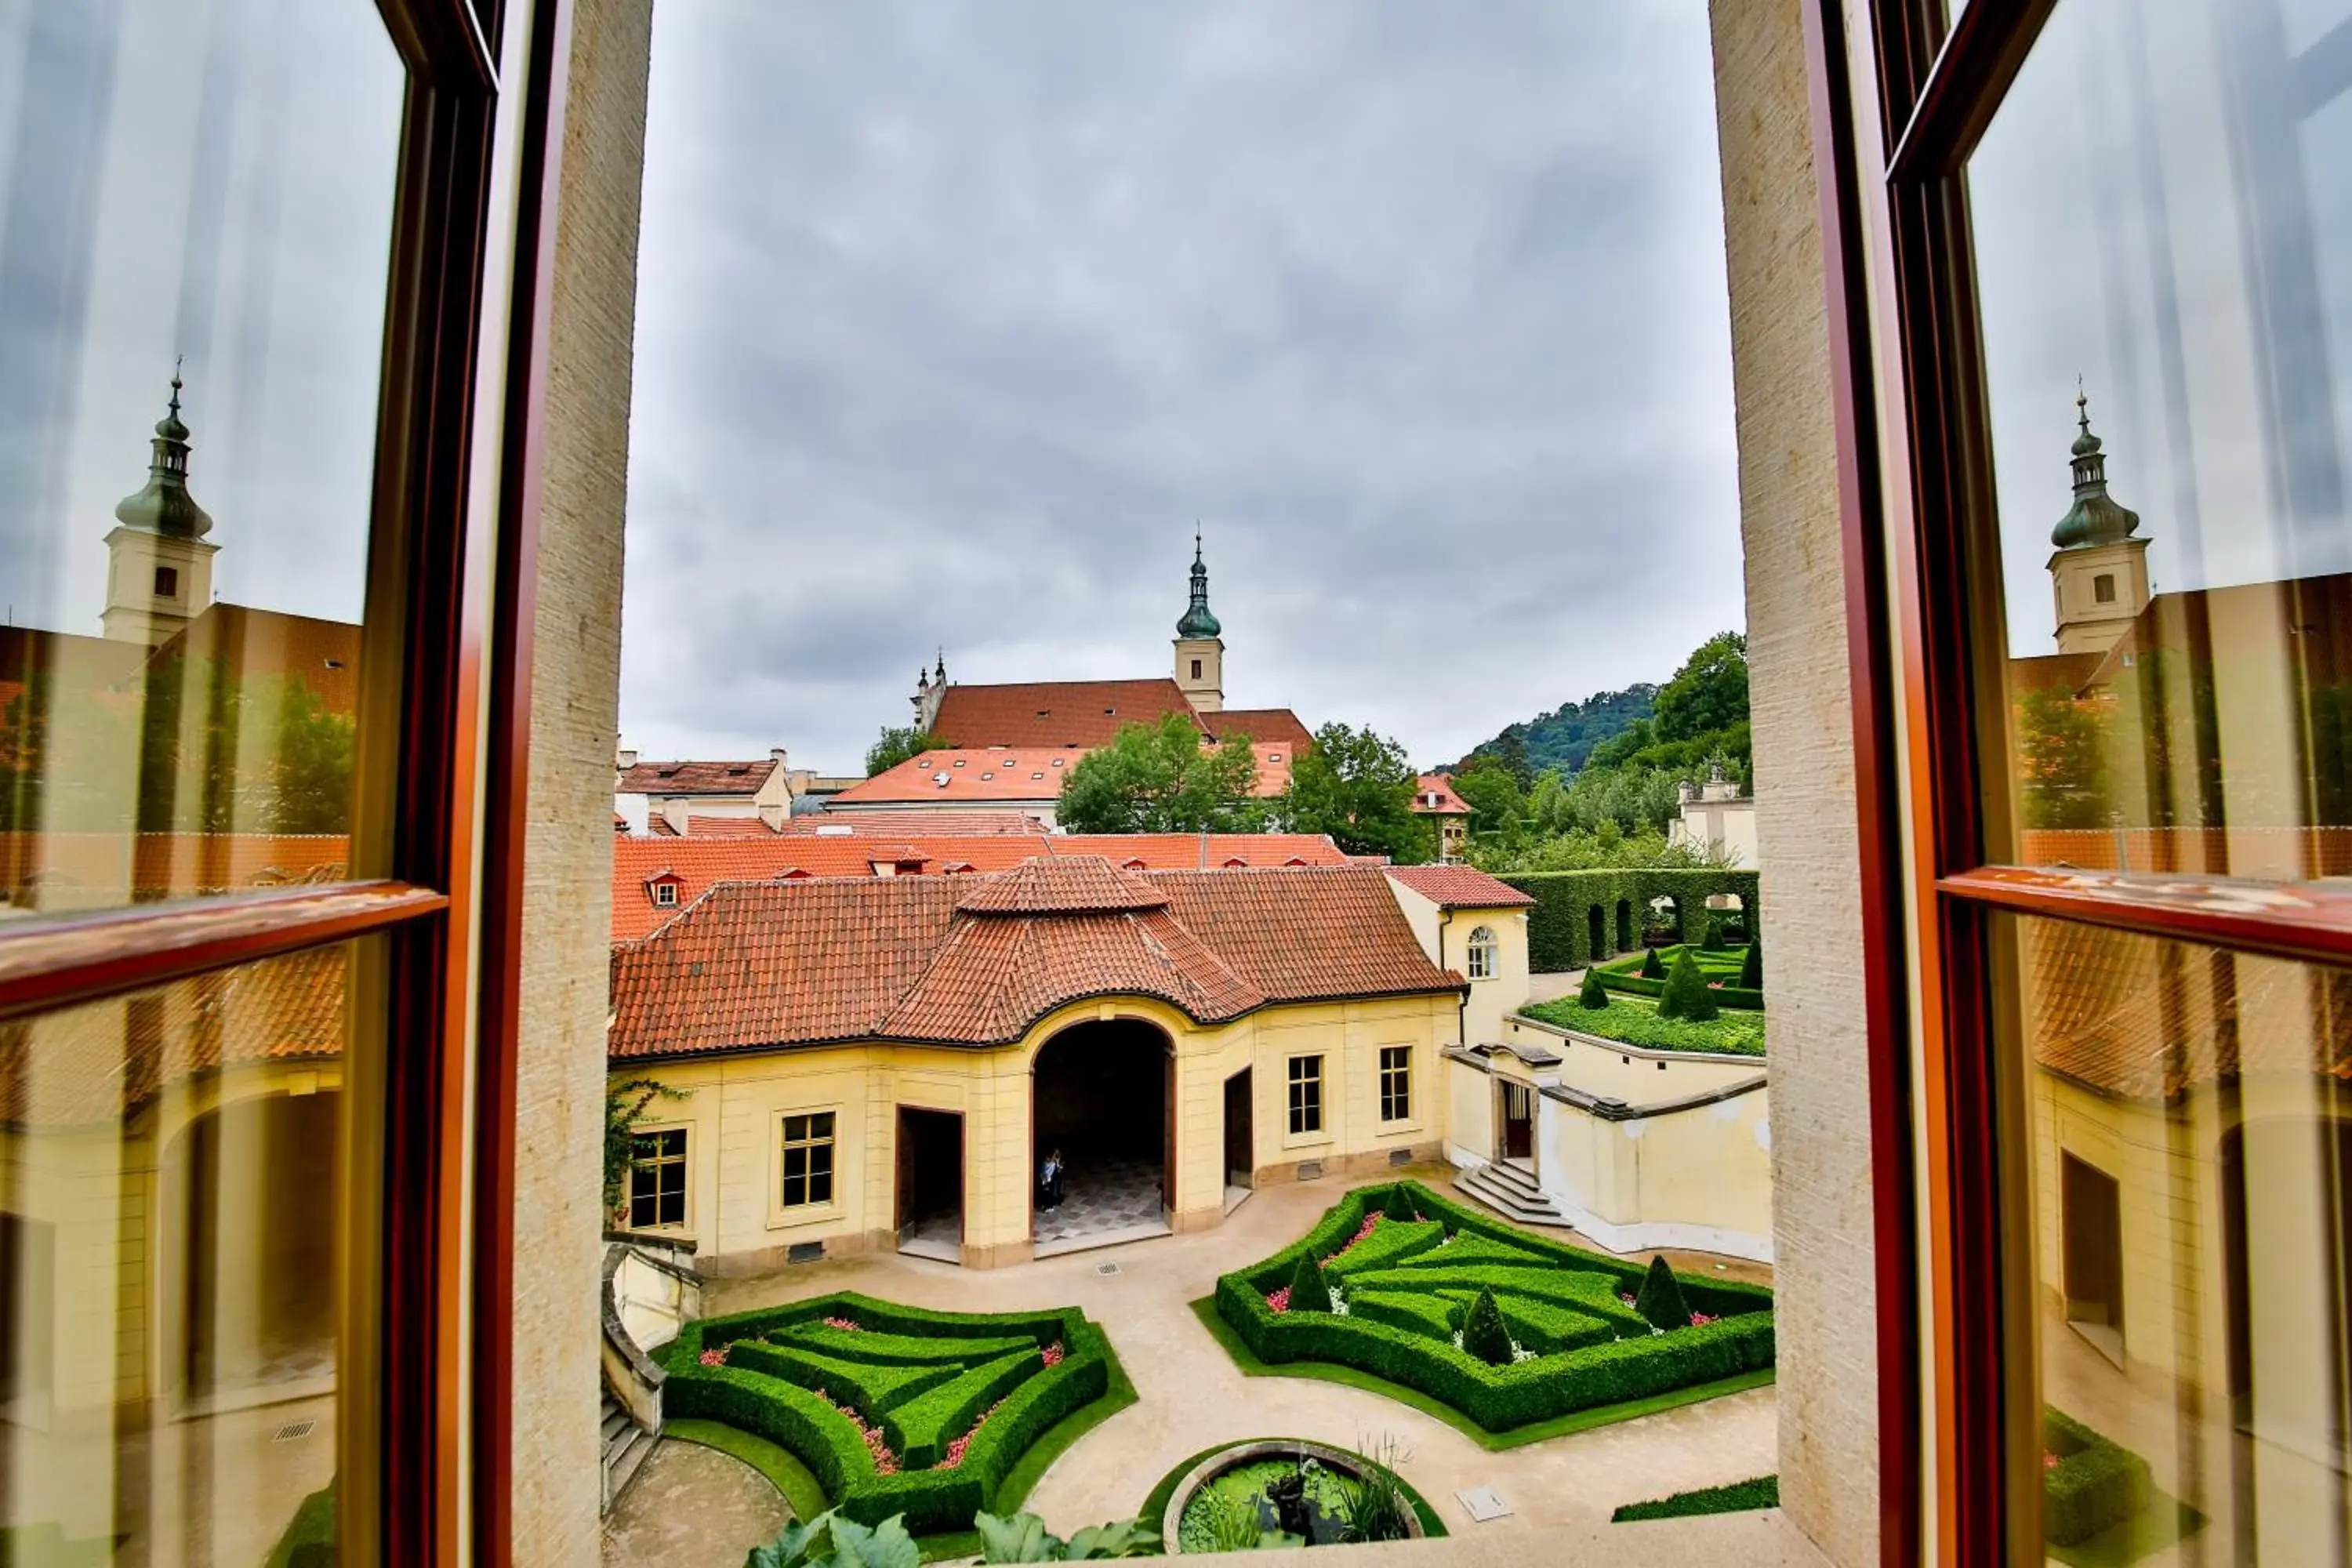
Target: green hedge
<point>766,1389</point>
<point>1559,937</point>
<point>1739,1496</point>
<point>2096,1484</point>
<point>1395,1342</point>
<point>1624,975</point>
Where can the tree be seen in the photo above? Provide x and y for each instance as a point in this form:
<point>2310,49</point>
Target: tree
<point>1708,693</point>
<point>1686,994</point>
<point>1713,940</point>
<point>1661,1298</point>
<point>1653,968</point>
<point>1497,810</point>
<point>1511,751</point>
<point>1358,788</point>
<point>1398,1206</point>
<point>1593,994</point>
<point>895,745</point>
<point>1484,1332</point>
<point>1308,1293</point>
<point>308,774</point>
<point>2064,747</point>
<point>1751,966</point>
<point>1160,778</point>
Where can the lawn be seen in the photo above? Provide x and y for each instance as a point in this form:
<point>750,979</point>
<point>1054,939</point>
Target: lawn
<point>892,1409</point>
<point>1405,1266</point>
<point>1634,1020</point>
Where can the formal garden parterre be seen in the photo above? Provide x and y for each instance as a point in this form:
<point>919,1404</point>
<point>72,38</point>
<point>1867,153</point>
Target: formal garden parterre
<point>896,1410</point>
<point>1505,1327</point>
<point>1678,998</point>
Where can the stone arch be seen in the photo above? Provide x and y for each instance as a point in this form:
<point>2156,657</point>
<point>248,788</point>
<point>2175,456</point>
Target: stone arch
<point>1624,924</point>
<point>1596,934</point>
<point>1102,1094</point>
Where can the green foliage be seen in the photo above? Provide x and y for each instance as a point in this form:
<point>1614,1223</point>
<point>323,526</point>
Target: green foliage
<point>1483,1333</point>
<point>1735,1033</point>
<point>896,744</point>
<point>1661,1298</point>
<point>1563,739</point>
<point>1652,968</point>
<point>1686,995</point>
<point>1376,1504</point>
<point>1024,1538</point>
<point>1160,778</point>
<point>1396,1207</point>
<point>1606,847</point>
<point>1739,1496</point>
<point>1713,940</point>
<point>1358,788</point>
<point>1308,1293</point>
<point>1594,996</point>
<point>832,1541</point>
<point>2062,760</point>
<point>627,1103</point>
<point>1709,693</point>
<point>307,1542</point>
<point>1752,965</point>
<point>1560,928</point>
<point>2095,1485</point>
<point>1497,806</point>
<point>1403,1346</point>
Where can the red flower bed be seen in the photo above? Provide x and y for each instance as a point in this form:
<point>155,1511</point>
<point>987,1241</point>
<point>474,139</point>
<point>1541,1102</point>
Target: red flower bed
<point>956,1448</point>
<point>1052,1353</point>
<point>849,1323</point>
<point>885,1461</point>
<point>1280,1301</point>
<point>715,1358</point>
<point>1371,1223</point>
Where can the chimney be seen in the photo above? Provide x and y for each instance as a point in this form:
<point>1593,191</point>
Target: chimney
<point>625,758</point>
<point>776,755</point>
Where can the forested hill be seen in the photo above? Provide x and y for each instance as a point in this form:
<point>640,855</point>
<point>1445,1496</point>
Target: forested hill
<point>1565,737</point>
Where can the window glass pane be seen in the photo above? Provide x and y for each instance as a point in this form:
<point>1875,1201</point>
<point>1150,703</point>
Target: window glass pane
<point>175,1254</point>
<point>2162,209</point>
<point>196,207</point>
<point>2189,1158</point>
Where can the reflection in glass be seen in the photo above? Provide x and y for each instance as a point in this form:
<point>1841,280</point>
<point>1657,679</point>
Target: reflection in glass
<point>2162,213</point>
<point>171,1253</point>
<point>2190,1158</point>
<point>196,207</point>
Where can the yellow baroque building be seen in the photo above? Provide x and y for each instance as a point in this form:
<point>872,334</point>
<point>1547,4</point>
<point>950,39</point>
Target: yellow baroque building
<point>992,1068</point>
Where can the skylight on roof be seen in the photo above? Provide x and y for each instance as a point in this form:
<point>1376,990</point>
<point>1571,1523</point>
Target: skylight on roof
<point>1037,776</point>
<point>835,830</point>
<point>985,777</point>
<point>960,762</point>
<point>1057,762</point>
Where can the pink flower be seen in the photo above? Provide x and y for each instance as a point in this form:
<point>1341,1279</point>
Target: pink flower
<point>1626,1297</point>
<point>846,1324</point>
<point>1052,1353</point>
<point>715,1358</point>
<point>1280,1300</point>
<point>957,1449</point>
<point>1371,1223</point>
<point>1701,1320</point>
<point>2049,1461</point>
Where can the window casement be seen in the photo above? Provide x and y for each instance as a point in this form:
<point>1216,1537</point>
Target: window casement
<point>1306,1088</point>
<point>167,582</point>
<point>2103,588</point>
<point>1483,960</point>
<point>1196,670</point>
<point>657,1179</point>
<point>666,895</point>
<point>805,1161</point>
<point>1396,1083</point>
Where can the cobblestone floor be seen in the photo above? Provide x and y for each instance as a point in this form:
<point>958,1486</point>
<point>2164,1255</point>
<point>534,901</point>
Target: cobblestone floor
<point>692,1507</point>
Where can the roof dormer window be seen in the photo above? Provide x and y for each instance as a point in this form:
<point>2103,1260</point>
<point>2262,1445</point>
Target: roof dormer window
<point>666,894</point>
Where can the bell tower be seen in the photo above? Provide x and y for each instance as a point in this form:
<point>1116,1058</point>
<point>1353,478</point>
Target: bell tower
<point>159,572</point>
<point>1200,647</point>
<point>2098,571</point>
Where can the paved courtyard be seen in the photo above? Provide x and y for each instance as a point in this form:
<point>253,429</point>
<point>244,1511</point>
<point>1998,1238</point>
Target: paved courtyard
<point>1191,1395</point>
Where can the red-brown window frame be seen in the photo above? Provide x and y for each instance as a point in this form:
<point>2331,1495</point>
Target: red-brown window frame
<point>448,665</point>
<point>1915,471</point>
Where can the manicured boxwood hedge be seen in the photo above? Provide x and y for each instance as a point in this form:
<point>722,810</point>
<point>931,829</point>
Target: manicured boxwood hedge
<point>1739,1496</point>
<point>1559,927</point>
<point>776,1358</point>
<point>2096,1484</point>
<point>1625,974</point>
<point>1561,1304</point>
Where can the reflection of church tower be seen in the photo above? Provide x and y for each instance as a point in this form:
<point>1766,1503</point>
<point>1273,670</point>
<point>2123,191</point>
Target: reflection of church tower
<point>1200,651</point>
<point>160,568</point>
<point>2098,574</point>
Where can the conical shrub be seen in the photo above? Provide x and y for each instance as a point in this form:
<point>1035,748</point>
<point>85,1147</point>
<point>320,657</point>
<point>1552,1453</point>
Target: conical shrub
<point>1660,1301</point>
<point>1653,968</point>
<point>1483,1333</point>
<point>1594,995</point>
<point>1396,1207</point>
<point>1307,1291</point>
<point>1713,941</point>
<point>1686,995</point>
<point>1751,967</point>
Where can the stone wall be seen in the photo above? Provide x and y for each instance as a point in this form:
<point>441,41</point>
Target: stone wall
<point>574,700</point>
<point>1806,811</point>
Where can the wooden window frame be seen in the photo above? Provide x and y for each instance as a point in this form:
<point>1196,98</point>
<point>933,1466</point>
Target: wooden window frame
<point>1401,1096</point>
<point>792,1213</point>
<point>446,639</point>
<point>1914,467</point>
<point>683,1160</point>
<point>1295,1103</point>
<point>1481,960</point>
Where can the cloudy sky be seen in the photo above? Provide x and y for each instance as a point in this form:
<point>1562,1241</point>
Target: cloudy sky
<point>953,317</point>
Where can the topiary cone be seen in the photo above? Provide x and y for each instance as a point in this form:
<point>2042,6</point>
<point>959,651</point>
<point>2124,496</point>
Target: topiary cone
<point>1660,1301</point>
<point>1652,967</point>
<point>1307,1291</point>
<point>1484,1334</point>
<point>1751,968</point>
<point>1594,995</point>
<point>1396,1207</point>
<point>1686,995</point>
<point>1713,941</point>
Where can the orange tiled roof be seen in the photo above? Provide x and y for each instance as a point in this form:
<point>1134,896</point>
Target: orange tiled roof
<point>755,965</point>
<point>1042,715</point>
<point>832,822</point>
<point>1446,804</point>
<point>1460,887</point>
<point>708,827</point>
<point>694,778</point>
<point>1274,726</point>
<point>999,774</point>
<point>1075,884</point>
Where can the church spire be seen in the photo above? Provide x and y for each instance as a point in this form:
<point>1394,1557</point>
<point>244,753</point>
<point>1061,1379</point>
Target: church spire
<point>164,504</point>
<point>1198,621</point>
<point>2096,517</point>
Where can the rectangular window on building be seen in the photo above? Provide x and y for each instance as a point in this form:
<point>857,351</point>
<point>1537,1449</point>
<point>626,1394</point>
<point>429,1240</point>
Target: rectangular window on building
<point>1306,1094</point>
<point>808,1160</point>
<point>1396,1083</point>
<point>167,582</point>
<point>657,1179</point>
<point>666,894</point>
<point>1196,670</point>
<point>2103,588</point>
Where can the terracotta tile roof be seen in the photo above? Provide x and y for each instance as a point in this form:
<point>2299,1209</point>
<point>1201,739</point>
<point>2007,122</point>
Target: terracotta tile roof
<point>700,863</point>
<point>755,965</point>
<point>694,778</point>
<point>1075,884</point>
<point>962,778</point>
<point>1460,887</point>
<point>708,827</point>
<point>942,823</point>
<point>90,1064</point>
<point>1043,714</point>
<point>1446,803</point>
<point>1276,726</point>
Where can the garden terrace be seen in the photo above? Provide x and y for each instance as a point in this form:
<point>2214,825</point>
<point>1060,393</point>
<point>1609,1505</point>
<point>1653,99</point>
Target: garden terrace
<point>893,1409</point>
<point>1406,1265</point>
<point>1582,917</point>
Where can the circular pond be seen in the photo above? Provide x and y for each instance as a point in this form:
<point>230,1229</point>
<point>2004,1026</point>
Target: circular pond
<point>1323,1495</point>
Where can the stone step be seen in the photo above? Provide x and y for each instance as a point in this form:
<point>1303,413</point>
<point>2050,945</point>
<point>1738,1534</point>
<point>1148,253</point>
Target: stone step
<point>1512,1177</point>
<point>615,1418</point>
<point>1523,1203</point>
<point>624,1459</point>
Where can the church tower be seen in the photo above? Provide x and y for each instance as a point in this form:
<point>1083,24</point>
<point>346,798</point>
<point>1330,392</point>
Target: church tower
<point>1199,650</point>
<point>160,566</point>
<point>2098,572</point>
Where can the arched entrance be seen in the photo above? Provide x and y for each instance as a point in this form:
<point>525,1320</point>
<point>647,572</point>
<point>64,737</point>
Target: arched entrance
<point>1624,924</point>
<point>1100,1097</point>
<point>1596,934</point>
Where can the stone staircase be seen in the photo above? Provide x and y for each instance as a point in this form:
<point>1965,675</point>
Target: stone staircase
<point>1511,1190</point>
<point>626,1447</point>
